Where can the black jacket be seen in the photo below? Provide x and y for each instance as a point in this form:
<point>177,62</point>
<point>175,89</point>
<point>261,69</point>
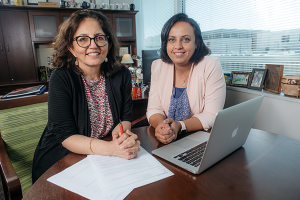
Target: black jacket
<point>68,113</point>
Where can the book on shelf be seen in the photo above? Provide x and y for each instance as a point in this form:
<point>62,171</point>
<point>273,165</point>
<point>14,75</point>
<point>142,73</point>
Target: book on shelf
<point>29,91</point>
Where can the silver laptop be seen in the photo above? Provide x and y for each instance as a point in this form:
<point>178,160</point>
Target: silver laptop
<point>200,150</point>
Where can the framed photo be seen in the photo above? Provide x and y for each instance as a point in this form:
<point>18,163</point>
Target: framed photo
<point>240,79</point>
<point>273,78</point>
<point>227,78</point>
<point>257,79</point>
<point>35,2</point>
<point>125,49</point>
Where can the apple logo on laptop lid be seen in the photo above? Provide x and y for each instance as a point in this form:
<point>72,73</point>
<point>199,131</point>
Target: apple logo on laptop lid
<point>235,132</point>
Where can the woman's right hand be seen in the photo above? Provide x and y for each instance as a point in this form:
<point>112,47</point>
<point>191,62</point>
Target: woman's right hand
<point>125,145</point>
<point>164,133</point>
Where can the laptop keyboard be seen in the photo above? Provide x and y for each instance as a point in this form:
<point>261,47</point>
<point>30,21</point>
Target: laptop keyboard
<point>193,156</point>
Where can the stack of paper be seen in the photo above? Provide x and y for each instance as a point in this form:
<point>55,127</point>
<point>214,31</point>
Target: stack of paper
<point>109,177</point>
<point>80,179</point>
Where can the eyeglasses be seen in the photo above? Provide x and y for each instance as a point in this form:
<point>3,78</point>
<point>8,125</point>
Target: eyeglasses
<point>85,41</point>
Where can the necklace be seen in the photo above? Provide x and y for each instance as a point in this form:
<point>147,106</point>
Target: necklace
<point>183,83</point>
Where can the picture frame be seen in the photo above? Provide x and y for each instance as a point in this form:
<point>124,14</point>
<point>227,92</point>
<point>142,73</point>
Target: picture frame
<point>273,78</point>
<point>257,79</point>
<point>35,2</point>
<point>227,78</point>
<point>240,79</point>
<point>124,49</point>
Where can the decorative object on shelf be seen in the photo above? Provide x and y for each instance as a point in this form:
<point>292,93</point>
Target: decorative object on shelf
<point>119,6</point>
<point>137,60</point>
<point>112,6</point>
<point>105,6</point>
<point>125,49</point>
<point>77,4</point>
<point>227,78</point>
<point>132,6</point>
<point>50,60</point>
<point>239,78</point>
<point>6,2</point>
<point>92,6</point>
<point>49,71</point>
<point>35,2</point>
<point>257,79</point>
<point>20,3</point>
<point>273,78</point>
<point>42,74</point>
<point>48,4</point>
<point>135,57</point>
<point>290,85</point>
<point>138,73</point>
<point>126,6</point>
<point>85,5</point>
<point>126,59</point>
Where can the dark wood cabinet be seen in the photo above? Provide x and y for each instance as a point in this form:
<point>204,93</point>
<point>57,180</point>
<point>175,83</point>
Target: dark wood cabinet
<point>64,15</point>
<point>124,26</point>
<point>4,71</point>
<point>43,25</point>
<point>17,61</point>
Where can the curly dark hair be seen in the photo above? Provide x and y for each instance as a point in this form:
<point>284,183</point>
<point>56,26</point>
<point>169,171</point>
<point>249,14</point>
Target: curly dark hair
<point>63,58</point>
<point>201,51</point>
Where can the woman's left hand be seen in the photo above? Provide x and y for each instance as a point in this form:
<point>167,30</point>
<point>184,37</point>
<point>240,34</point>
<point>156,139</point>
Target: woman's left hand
<point>167,131</point>
<point>129,144</point>
<point>174,125</point>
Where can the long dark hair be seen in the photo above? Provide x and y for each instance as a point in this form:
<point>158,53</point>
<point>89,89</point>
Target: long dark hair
<point>63,58</point>
<point>201,51</point>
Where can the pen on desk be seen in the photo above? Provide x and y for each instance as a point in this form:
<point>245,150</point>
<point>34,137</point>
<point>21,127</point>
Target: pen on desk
<point>121,128</point>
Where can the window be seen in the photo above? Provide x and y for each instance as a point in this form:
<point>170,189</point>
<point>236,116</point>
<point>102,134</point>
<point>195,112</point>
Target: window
<point>152,15</point>
<point>248,34</point>
<point>285,38</point>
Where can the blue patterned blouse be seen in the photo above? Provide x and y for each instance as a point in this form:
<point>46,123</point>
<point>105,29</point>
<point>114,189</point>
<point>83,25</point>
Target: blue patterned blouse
<point>179,105</point>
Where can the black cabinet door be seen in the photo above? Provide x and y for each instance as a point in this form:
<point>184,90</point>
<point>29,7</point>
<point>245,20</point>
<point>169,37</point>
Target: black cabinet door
<point>18,46</point>
<point>4,72</point>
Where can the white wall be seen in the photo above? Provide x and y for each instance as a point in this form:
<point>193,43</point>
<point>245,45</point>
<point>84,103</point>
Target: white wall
<point>278,114</point>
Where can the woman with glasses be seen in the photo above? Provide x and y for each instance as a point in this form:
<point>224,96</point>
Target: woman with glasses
<point>187,85</point>
<point>89,95</point>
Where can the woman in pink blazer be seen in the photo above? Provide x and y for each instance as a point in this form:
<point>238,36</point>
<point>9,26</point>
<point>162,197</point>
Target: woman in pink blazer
<point>187,86</point>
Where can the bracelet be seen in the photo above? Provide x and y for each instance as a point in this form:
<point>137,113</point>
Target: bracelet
<point>91,145</point>
<point>183,127</point>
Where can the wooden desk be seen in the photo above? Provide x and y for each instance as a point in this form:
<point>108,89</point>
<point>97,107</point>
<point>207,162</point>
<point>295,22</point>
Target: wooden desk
<point>266,167</point>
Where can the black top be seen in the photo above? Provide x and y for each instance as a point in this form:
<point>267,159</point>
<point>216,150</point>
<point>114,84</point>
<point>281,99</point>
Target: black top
<point>68,113</point>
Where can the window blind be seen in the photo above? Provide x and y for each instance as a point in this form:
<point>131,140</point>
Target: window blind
<point>155,14</point>
<point>247,34</point>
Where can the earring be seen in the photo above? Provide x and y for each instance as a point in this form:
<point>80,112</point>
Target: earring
<point>76,62</point>
<point>106,60</point>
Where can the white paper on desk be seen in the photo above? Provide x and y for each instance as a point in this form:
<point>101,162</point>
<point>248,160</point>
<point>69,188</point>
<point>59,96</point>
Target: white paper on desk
<point>80,179</point>
<point>119,175</point>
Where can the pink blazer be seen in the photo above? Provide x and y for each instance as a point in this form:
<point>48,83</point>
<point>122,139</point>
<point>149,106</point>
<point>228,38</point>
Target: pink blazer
<point>206,89</point>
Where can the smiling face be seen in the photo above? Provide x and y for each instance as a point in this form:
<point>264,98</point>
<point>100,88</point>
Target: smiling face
<point>181,44</point>
<point>91,56</point>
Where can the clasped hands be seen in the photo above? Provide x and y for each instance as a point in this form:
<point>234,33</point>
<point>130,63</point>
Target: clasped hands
<point>167,131</point>
<point>125,145</point>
